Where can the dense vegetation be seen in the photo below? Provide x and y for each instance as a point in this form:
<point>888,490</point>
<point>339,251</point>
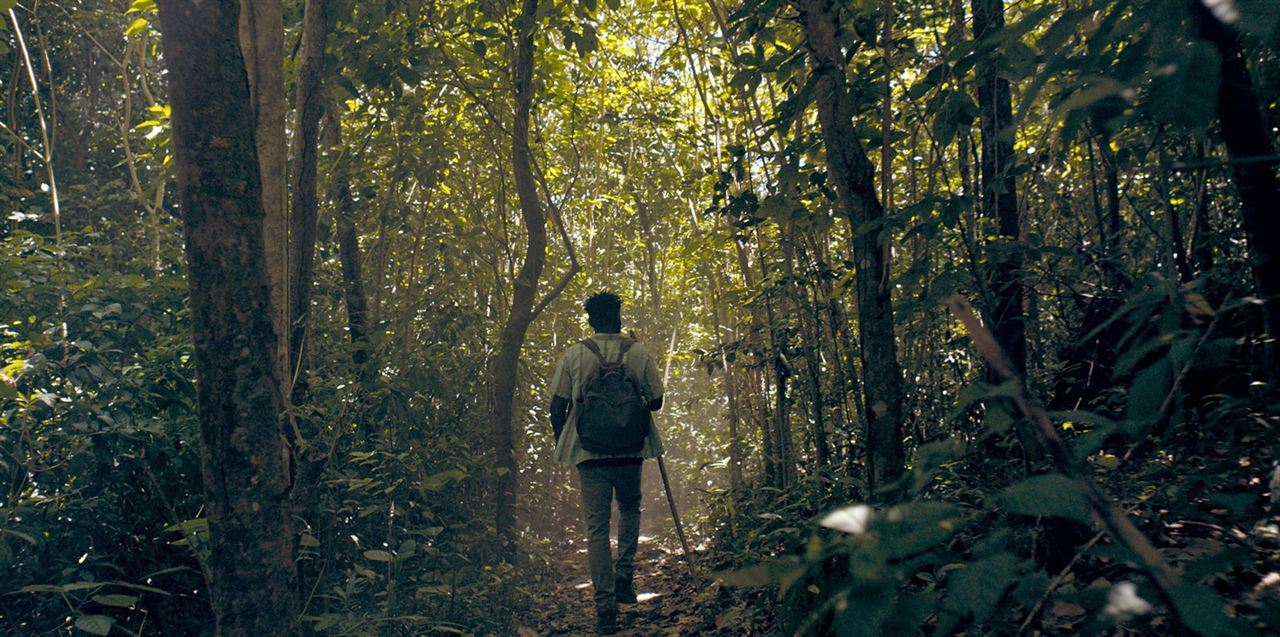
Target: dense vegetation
<point>967,309</point>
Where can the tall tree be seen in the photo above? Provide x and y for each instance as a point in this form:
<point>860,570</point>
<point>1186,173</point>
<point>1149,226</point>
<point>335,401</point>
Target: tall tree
<point>1252,152</point>
<point>243,455</point>
<point>261,32</point>
<point>999,191</point>
<point>525,306</point>
<point>348,245</point>
<point>308,105</point>
<point>854,180</point>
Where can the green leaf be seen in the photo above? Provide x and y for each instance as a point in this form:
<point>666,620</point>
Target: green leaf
<point>95,624</point>
<point>308,540</point>
<point>1147,393</point>
<point>1051,494</point>
<point>978,587</point>
<point>1237,503</point>
<point>1201,610</point>
<point>910,613</point>
<point>117,601</point>
<point>1092,91</point>
<point>589,42</point>
<point>142,6</point>
<point>915,527</point>
<point>745,79</point>
<point>137,26</point>
<point>437,481</point>
<point>26,537</point>
<point>998,418</point>
<point>377,556</point>
<point>865,610</point>
<point>6,5</point>
<point>1030,589</point>
<point>784,572</point>
<point>1185,89</point>
<point>432,589</point>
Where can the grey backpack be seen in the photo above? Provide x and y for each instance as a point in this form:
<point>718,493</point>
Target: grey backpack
<point>613,416</point>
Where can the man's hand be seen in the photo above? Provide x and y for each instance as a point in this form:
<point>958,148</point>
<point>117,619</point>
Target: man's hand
<point>559,414</point>
<point>655,404</point>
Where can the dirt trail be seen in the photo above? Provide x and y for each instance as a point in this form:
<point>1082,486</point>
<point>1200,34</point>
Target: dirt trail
<point>666,607</point>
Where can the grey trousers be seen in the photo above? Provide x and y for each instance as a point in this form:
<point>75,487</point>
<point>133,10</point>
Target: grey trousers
<point>600,483</point>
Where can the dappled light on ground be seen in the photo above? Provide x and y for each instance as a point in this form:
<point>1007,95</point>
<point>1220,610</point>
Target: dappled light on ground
<point>667,604</point>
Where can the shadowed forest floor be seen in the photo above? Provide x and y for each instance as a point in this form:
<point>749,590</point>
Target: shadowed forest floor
<point>668,597</point>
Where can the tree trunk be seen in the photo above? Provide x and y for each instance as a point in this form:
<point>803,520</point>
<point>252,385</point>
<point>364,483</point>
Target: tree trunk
<point>302,221</point>
<point>758,398</point>
<point>525,288</point>
<point>812,353</point>
<point>349,250</point>
<point>244,458</point>
<point>854,181</point>
<point>1112,254</point>
<point>1250,149</point>
<point>999,193</point>
<point>650,253</point>
<point>806,316</point>
<point>261,31</point>
<point>728,366</point>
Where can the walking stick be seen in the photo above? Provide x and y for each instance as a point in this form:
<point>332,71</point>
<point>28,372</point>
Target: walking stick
<point>684,544</point>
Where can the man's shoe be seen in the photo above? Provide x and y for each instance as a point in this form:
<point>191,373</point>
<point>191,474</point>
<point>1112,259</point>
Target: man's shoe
<point>607,625</point>
<point>624,593</point>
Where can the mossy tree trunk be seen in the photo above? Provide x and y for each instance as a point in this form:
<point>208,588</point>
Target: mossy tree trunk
<point>244,457</point>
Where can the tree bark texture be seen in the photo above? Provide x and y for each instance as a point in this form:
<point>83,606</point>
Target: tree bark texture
<point>244,458</point>
<point>525,288</point>
<point>349,249</point>
<point>999,192</point>
<point>1250,148</point>
<point>854,181</point>
<point>261,31</point>
<point>309,105</point>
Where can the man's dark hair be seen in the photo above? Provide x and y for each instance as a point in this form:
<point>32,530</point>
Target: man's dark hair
<point>604,312</point>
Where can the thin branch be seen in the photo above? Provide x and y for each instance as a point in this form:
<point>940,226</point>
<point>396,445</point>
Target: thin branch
<point>1116,521</point>
<point>1222,163</point>
<point>574,267</point>
<point>470,90</point>
<point>1162,413</point>
<point>22,142</point>
<point>1056,582</point>
<point>44,131</point>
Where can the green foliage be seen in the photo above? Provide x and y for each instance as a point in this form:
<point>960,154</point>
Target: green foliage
<point>677,148</point>
<point>1053,495</point>
<point>99,438</point>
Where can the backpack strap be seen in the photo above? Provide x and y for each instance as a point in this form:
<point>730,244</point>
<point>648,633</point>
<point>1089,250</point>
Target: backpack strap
<point>595,349</point>
<point>623,348</point>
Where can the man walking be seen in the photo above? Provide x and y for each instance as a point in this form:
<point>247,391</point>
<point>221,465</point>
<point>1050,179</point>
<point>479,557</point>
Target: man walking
<point>602,392</point>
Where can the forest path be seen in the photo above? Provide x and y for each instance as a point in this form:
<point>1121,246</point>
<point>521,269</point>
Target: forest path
<point>667,605</point>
